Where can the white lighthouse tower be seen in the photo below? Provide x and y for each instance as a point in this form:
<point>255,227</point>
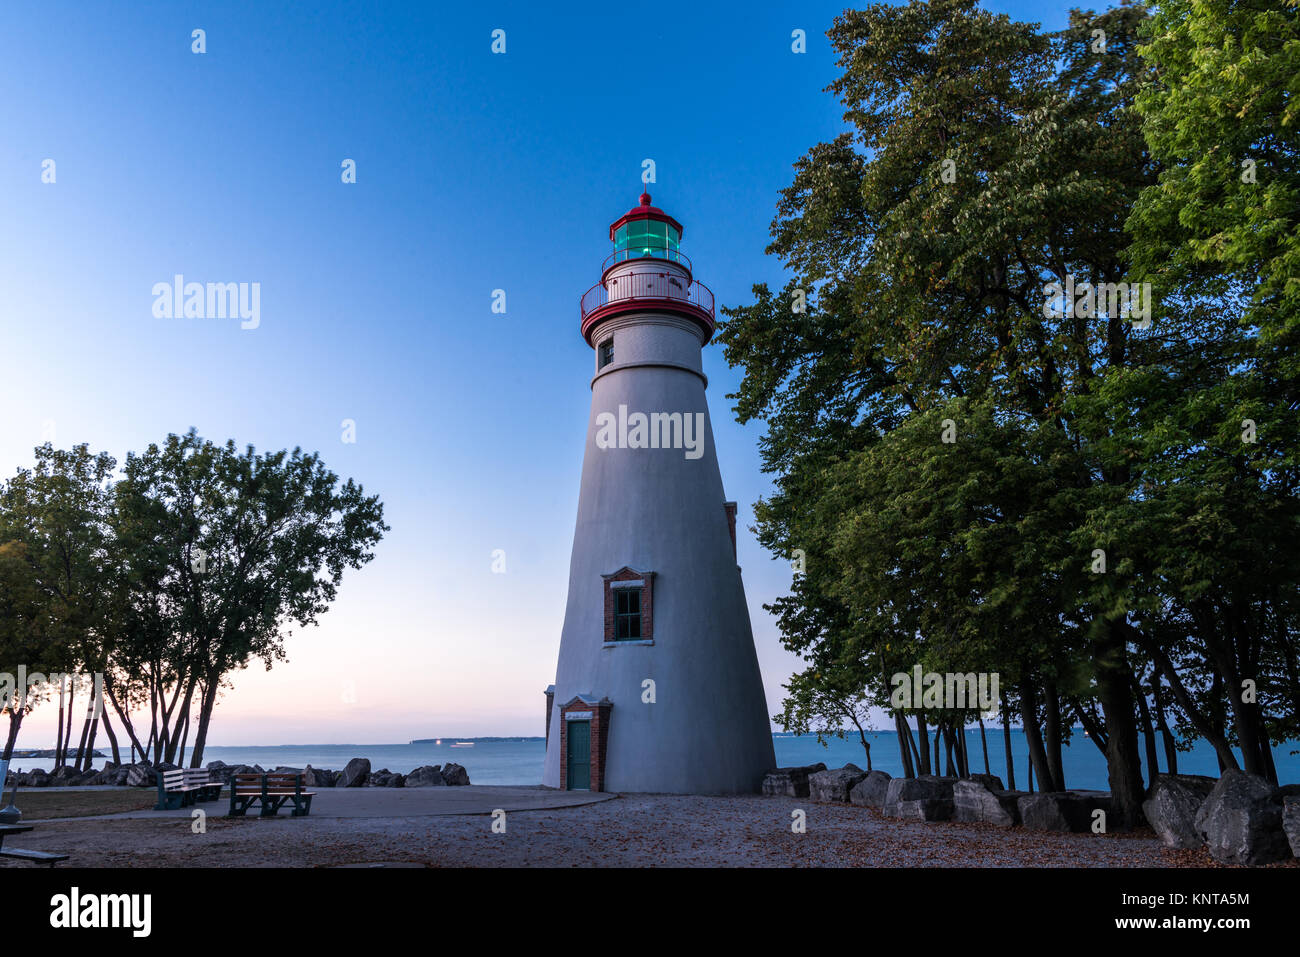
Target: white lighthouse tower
<point>657,686</point>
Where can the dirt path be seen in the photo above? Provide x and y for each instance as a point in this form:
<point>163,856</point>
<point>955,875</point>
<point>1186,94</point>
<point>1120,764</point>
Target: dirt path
<point>629,831</point>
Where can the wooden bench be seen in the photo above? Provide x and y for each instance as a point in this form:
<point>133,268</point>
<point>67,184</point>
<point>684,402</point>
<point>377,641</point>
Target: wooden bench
<point>199,779</point>
<point>271,791</point>
<point>174,791</point>
<point>21,854</point>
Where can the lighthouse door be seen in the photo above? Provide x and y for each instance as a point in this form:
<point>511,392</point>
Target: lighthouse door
<point>579,776</point>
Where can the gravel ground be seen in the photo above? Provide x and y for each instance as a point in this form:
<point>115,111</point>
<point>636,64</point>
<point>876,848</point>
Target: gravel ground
<point>637,830</point>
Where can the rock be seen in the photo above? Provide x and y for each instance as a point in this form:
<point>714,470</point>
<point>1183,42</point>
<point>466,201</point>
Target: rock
<point>380,778</point>
<point>1062,810</point>
<point>974,801</point>
<point>790,782</point>
<point>871,791</point>
<point>1291,822</point>
<point>990,781</point>
<point>355,774</point>
<point>1171,805</point>
<point>318,777</point>
<point>63,775</point>
<point>924,798</point>
<point>922,809</point>
<point>115,777</point>
<point>455,775</point>
<point>398,781</point>
<point>1241,821</point>
<point>834,785</point>
<point>86,779</point>
<point>141,775</point>
<point>928,787</point>
<point>38,778</point>
<point>426,776</point>
<point>284,769</point>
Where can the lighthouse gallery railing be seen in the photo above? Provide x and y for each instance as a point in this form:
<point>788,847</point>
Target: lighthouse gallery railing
<point>648,285</point>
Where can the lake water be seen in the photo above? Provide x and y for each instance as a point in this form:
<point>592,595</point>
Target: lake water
<point>519,760</point>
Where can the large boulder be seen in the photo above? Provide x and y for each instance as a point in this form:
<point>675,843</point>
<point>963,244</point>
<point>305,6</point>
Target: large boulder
<point>872,790</point>
<point>924,809</point>
<point>383,778</point>
<point>115,776</point>
<point>834,785</point>
<point>1291,822</point>
<point>990,781</point>
<point>38,778</point>
<point>790,782</point>
<point>927,797</point>
<point>425,776</point>
<point>1063,810</point>
<point>61,777</point>
<point>974,801</point>
<point>355,774</point>
<point>455,775</point>
<point>1241,820</point>
<point>318,777</point>
<point>141,775</point>
<point>1171,805</point>
<point>221,773</point>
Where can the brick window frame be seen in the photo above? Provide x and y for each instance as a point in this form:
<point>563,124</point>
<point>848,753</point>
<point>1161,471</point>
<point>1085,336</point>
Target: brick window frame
<point>628,577</point>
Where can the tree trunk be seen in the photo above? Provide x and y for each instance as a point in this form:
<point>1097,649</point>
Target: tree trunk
<point>58,734</point>
<point>81,742</point>
<point>127,726</point>
<point>905,744</point>
<point>208,701</point>
<point>1171,751</point>
<point>1053,729</point>
<point>1006,742</point>
<point>15,722</point>
<point>112,738</point>
<point>984,744</point>
<point>923,743</point>
<point>1037,754</point>
<point>1148,733</point>
<point>1123,764</point>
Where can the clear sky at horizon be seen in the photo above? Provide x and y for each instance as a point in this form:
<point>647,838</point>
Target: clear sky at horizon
<point>475,171</point>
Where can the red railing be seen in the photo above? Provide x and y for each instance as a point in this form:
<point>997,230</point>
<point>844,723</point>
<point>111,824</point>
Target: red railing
<point>623,255</point>
<point>647,285</point>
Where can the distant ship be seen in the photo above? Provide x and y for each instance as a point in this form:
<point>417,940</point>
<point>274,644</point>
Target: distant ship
<point>463,744</point>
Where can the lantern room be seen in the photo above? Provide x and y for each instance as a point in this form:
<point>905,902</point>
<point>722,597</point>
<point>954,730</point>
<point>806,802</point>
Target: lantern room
<point>646,232</point>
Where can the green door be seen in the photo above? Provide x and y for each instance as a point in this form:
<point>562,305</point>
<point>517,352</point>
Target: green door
<point>579,776</point>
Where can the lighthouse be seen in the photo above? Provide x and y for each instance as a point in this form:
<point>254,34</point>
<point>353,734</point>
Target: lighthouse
<point>657,687</point>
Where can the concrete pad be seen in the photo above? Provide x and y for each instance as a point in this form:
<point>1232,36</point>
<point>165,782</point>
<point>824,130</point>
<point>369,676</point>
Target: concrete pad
<point>392,802</point>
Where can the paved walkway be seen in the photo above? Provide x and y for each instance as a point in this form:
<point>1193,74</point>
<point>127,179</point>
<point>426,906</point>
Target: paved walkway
<point>397,802</point>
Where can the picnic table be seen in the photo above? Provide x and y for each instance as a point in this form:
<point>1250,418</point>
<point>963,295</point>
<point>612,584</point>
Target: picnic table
<point>38,857</point>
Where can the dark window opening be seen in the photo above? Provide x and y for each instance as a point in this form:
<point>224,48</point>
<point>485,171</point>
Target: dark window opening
<point>606,352</point>
<point>627,613</point>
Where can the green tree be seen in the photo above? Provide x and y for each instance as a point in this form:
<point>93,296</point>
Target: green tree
<point>987,160</point>
<point>225,552</point>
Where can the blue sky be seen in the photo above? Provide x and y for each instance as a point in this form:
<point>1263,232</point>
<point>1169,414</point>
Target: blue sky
<point>475,171</point>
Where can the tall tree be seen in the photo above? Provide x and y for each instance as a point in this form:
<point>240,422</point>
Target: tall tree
<point>227,551</point>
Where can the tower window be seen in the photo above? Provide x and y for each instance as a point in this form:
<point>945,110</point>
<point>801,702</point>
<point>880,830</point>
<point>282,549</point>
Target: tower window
<point>629,607</point>
<point>606,352</point>
<point>627,614</point>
